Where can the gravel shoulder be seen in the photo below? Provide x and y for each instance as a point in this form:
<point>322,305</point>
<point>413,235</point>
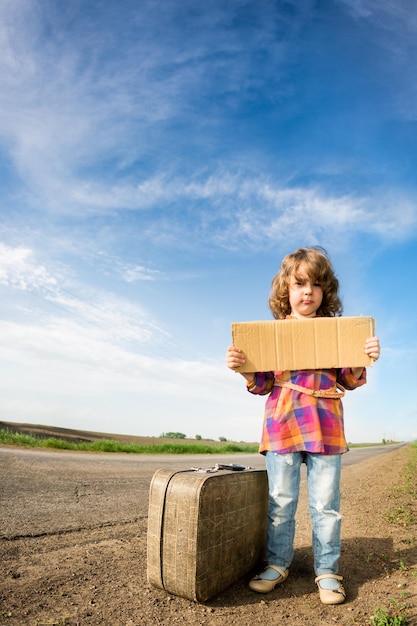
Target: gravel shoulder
<point>97,576</point>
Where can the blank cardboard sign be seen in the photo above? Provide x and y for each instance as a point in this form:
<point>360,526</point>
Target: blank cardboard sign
<point>294,344</point>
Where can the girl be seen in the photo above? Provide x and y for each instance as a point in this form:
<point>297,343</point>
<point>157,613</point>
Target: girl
<point>302,427</point>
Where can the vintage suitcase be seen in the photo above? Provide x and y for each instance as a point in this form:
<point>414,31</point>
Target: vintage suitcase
<point>206,529</point>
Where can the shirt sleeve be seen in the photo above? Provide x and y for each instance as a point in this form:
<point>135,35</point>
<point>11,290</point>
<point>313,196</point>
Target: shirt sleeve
<point>262,384</point>
<point>347,379</point>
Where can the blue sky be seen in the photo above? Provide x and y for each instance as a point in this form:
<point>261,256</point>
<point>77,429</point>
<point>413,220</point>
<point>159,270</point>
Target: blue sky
<point>158,158</point>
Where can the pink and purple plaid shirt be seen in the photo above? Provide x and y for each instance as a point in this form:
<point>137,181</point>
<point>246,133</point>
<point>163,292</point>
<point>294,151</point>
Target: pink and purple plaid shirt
<point>295,421</point>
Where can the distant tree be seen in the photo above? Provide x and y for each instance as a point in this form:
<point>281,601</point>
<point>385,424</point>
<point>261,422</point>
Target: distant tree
<point>222,439</point>
<point>198,437</point>
<point>174,435</point>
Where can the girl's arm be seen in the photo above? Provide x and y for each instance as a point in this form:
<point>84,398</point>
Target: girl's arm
<point>372,349</point>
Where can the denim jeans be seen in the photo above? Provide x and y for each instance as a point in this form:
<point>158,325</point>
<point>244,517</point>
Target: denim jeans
<point>323,483</point>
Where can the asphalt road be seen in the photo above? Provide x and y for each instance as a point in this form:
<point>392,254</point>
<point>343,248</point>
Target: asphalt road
<point>50,492</point>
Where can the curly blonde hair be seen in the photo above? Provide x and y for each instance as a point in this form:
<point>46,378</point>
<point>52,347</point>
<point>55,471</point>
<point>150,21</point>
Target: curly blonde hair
<point>319,269</point>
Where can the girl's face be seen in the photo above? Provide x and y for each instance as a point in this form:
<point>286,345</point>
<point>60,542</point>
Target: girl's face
<point>305,296</point>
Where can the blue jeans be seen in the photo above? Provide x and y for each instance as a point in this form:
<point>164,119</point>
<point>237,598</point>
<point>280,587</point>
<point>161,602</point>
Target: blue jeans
<point>323,483</point>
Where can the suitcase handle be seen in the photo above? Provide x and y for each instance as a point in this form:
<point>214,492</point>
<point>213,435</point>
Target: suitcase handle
<point>234,467</point>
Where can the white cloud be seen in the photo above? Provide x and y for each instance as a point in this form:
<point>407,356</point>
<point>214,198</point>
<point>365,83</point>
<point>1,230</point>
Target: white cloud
<point>139,272</point>
<point>76,102</point>
<point>18,269</point>
<point>293,208</point>
<point>238,210</point>
<point>119,319</point>
<point>58,346</point>
<point>59,372</point>
<point>97,359</point>
<point>71,109</point>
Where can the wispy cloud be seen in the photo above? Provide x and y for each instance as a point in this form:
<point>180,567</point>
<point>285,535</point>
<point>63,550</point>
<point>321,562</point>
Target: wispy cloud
<point>61,373</point>
<point>72,106</point>
<point>79,114</point>
<point>114,341</point>
<point>392,30</point>
<point>19,270</point>
<point>385,13</point>
<point>236,209</point>
<point>113,318</point>
<point>128,272</point>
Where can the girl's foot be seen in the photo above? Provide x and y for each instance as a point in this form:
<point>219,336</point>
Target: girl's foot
<point>330,588</point>
<point>268,579</point>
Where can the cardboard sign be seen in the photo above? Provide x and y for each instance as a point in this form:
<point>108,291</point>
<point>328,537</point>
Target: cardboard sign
<point>294,344</point>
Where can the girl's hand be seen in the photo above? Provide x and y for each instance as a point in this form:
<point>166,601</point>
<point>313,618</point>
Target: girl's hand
<point>234,358</point>
<point>372,348</point>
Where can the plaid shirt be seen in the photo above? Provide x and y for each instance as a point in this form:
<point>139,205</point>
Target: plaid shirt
<point>295,421</point>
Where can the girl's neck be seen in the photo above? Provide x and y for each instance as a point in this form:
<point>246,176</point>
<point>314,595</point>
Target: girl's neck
<point>302,317</point>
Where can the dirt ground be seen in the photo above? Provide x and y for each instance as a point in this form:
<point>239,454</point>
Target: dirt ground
<point>98,576</point>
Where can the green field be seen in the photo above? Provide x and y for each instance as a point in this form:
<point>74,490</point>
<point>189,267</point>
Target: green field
<point>38,436</point>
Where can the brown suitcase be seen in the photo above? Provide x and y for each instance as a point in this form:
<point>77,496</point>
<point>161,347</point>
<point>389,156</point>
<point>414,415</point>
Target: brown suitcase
<point>205,529</point>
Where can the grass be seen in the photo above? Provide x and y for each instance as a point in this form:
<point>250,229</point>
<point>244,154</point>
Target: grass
<point>35,436</point>
<point>403,514</point>
<point>109,445</point>
<point>405,495</point>
<point>13,438</point>
<point>396,615</point>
